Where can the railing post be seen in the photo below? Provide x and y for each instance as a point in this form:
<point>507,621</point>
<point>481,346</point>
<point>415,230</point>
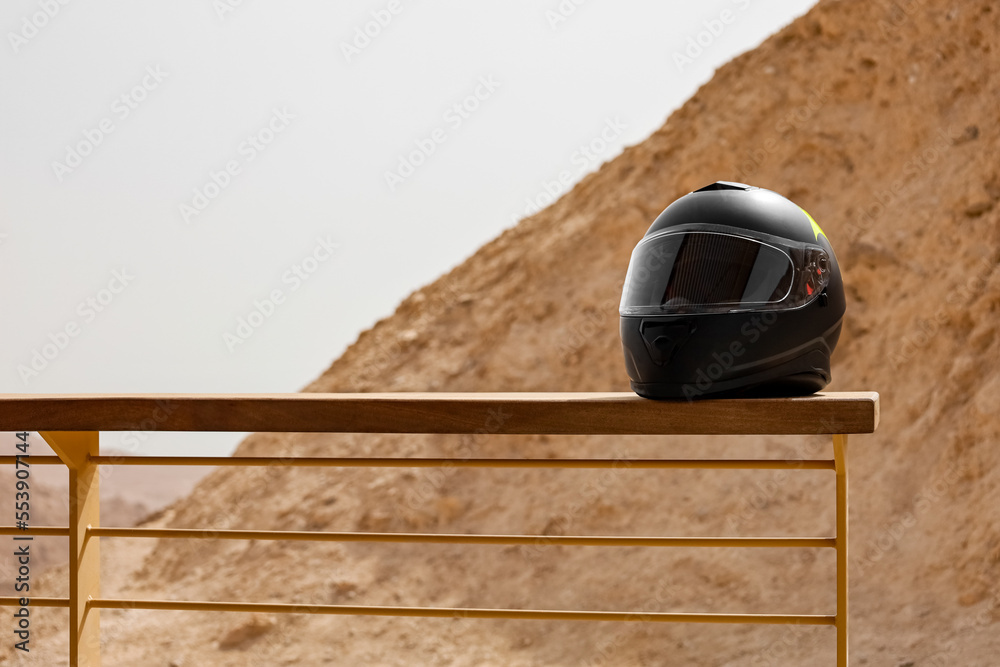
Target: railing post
<point>840,461</point>
<point>75,449</point>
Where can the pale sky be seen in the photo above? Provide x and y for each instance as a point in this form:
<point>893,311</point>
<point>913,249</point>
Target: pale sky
<point>170,168</point>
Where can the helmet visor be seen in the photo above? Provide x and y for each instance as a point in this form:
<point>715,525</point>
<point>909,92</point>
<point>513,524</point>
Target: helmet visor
<point>677,272</point>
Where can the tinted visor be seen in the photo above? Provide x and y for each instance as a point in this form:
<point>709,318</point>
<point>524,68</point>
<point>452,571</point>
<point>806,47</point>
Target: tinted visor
<point>697,272</point>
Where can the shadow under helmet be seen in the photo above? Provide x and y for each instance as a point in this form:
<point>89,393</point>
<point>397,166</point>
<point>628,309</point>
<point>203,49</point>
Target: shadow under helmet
<point>734,290</point>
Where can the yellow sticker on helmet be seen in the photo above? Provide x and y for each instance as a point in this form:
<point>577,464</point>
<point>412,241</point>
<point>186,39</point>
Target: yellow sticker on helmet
<point>816,229</point>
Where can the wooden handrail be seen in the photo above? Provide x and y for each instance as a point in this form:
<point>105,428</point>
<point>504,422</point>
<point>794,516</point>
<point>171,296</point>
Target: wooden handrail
<point>576,413</point>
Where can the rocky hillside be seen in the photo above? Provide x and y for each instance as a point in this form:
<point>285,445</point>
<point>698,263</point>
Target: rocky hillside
<point>880,119</point>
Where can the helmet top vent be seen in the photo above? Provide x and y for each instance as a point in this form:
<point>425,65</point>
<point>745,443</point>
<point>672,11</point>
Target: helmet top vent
<point>725,185</point>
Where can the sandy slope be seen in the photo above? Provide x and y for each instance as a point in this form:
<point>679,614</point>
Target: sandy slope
<point>882,122</point>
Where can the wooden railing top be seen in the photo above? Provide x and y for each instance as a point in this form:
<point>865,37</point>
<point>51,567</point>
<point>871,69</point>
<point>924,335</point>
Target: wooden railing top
<point>575,413</point>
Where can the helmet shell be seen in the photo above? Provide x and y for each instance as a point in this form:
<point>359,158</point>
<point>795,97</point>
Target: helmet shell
<point>752,352</point>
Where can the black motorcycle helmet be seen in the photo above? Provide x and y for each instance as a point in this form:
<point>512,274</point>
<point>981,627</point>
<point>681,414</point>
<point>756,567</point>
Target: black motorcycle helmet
<point>734,290</point>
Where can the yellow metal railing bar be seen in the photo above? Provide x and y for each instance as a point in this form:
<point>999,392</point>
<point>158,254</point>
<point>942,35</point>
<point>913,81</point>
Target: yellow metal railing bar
<point>35,602</point>
<point>34,460</point>
<point>449,538</point>
<point>36,531</point>
<point>461,612</point>
<point>357,462</point>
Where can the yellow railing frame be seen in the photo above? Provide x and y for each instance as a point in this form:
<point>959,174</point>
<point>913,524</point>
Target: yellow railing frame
<point>71,424</point>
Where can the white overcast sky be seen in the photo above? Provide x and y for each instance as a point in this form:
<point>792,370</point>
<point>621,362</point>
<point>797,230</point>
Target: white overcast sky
<point>79,203</point>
